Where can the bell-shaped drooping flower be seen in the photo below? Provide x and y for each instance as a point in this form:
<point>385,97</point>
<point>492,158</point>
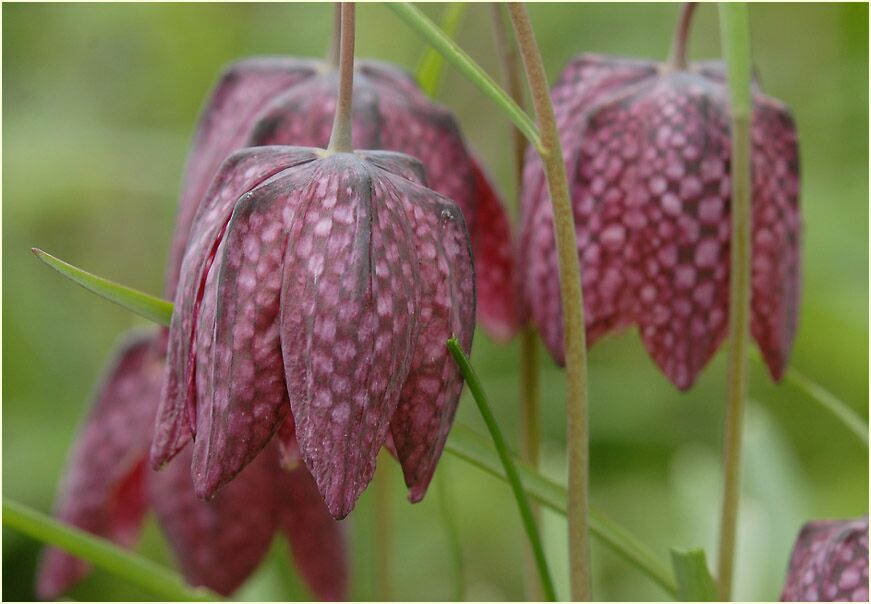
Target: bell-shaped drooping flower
<point>109,487</point>
<point>318,288</point>
<point>647,152</point>
<point>829,563</point>
<point>287,101</point>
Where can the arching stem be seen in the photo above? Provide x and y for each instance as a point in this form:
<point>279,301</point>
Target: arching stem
<point>572,303</point>
<point>530,414</point>
<point>678,59</point>
<point>340,139</point>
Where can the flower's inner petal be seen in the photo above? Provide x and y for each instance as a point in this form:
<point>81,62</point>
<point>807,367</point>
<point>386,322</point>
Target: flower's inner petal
<point>348,313</point>
<point>397,163</point>
<point>316,539</point>
<point>242,92</point>
<point>776,233</point>
<point>103,492</point>
<point>239,377</point>
<point>494,261</point>
<point>241,172</point>
<point>288,447</point>
<point>217,543</point>
<point>430,395</point>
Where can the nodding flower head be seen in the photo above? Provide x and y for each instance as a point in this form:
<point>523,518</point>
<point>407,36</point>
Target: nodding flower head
<point>647,153</point>
<point>288,101</point>
<point>109,487</point>
<point>318,289</point>
<point>829,563</point>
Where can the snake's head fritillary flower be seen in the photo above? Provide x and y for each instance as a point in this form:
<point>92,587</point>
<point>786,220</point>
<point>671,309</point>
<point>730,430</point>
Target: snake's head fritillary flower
<point>286,101</point>
<point>647,153</point>
<point>109,487</point>
<point>320,289</point>
<point>829,563</point>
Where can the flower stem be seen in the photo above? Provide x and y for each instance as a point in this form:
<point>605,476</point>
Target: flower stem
<point>572,304</point>
<point>383,532</point>
<point>734,24</point>
<point>678,58</point>
<point>340,139</point>
<point>464,63</point>
<point>336,40</point>
<point>124,564</point>
<point>530,420</point>
<point>505,457</point>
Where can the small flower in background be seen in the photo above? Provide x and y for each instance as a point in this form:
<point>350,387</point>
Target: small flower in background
<point>336,279</point>
<point>289,101</point>
<point>647,151</point>
<point>829,562</point>
<point>109,487</point>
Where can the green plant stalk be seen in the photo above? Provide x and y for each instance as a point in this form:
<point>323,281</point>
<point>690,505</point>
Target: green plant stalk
<point>340,138</point>
<point>505,457</point>
<point>473,448</point>
<point>448,508</point>
<point>430,70</point>
<point>530,410</point>
<point>144,305</point>
<point>735,35</point>
<point>122,563</point>
<point>455,55</point>
<point>574,336</point>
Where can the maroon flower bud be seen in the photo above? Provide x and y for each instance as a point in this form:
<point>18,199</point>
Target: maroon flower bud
<point>218,543</point>
<point>829,563</point>
<point>336,278</point>
<point>284,101</point>
<point>647,151</point>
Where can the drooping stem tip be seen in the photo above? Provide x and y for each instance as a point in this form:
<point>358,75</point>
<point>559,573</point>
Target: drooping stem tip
<point>340,139</point>
<point>678,59</point>
<point>573,307</point>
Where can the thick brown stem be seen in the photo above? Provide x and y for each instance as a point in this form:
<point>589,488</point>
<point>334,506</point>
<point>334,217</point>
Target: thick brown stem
<point>678,59</point>
<point>574,336</point>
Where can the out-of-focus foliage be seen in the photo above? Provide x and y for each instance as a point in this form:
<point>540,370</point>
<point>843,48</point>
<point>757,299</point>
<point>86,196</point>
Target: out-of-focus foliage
<point>100,103</point>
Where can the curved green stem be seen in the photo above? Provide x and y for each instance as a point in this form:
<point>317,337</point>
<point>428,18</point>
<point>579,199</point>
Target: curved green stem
<point>505,457</point>
<point>122,563</point>
<point>574,336</point>
<point>473,448</point>
<point>829,402</point>
<point>464,63</point>
<point>340,138</point>
<point>431,67</point>
<point>735,36</point>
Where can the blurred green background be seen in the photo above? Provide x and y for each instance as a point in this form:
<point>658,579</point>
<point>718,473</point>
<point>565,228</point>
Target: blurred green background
<point>100,103</point>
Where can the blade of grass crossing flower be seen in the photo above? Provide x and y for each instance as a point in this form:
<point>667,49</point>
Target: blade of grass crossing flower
<point>473,448</point>
<point>103,554</point>
<point>144,305</point>
<point>455,55</point>
<point>694,581</point>
<point>432,64</point>
<point>507,460</point>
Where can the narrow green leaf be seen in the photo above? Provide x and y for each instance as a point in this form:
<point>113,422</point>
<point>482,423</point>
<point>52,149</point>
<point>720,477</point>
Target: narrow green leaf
<point>473,448</point>
<point>507,460</point>
<point>122,563</point>
<point>694,581</point>
<point>467,66</point>
<point>144,305</point>
<point>827,401</point>
<point>432,64</point>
